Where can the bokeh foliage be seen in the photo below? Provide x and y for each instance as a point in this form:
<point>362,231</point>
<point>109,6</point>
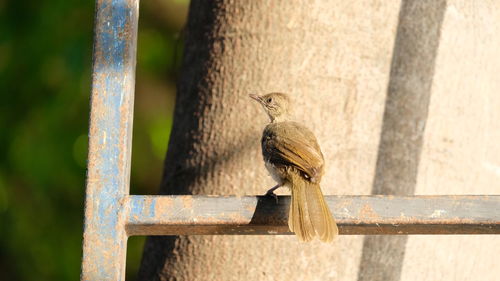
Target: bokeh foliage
<point>45,77</point>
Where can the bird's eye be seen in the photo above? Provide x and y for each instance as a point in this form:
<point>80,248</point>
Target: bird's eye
<point>269,100</point>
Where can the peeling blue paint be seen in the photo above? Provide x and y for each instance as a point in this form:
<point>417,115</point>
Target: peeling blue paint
<point>136,207</point>
<point>152,208</point>
<point>108,173</point>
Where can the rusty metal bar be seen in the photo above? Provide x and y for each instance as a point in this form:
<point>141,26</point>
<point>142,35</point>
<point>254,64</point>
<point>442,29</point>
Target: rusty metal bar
<point>174,215</point>
<point>110,137</point>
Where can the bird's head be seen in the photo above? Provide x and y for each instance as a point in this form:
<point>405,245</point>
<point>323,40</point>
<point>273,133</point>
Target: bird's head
<point>276,105</point>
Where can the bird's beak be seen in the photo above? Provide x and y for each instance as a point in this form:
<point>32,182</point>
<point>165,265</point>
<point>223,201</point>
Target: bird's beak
<point>255,97</point>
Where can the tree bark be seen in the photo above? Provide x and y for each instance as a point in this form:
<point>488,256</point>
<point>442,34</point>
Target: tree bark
<point>403,126</point>
<point>334,58</point>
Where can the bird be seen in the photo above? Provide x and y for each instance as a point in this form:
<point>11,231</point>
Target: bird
<point>294,159</point>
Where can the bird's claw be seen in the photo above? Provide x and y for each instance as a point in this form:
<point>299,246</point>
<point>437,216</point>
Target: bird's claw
<point>272,194</point>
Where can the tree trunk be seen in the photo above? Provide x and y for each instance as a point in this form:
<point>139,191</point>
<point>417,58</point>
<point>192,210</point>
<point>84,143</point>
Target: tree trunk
<point>336,60</point>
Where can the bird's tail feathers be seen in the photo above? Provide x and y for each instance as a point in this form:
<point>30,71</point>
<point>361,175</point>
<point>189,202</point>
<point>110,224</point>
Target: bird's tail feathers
<point>309,214</point>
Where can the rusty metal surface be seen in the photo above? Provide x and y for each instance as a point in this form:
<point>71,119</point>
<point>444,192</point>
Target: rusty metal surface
<point>169,215</point>
<point>110,133</point>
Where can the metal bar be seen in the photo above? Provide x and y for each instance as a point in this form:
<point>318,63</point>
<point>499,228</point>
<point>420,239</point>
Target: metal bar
<point>175,215</point>
<point>110,136</point>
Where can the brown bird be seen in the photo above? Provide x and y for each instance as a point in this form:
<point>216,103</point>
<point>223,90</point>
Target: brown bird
<point>293,158</point>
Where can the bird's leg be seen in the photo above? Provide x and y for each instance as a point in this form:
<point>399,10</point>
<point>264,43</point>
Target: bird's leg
<point>270,192</point>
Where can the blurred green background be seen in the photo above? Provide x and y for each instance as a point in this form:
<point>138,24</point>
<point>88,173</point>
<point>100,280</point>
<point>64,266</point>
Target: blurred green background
<point>45,79</point>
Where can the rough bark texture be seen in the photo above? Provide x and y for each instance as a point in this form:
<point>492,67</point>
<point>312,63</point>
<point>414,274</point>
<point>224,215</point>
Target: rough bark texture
<point>461,151</point>
<point>339,60</point>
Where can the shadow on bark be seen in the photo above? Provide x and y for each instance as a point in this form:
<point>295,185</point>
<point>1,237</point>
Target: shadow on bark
<point>405,116</point>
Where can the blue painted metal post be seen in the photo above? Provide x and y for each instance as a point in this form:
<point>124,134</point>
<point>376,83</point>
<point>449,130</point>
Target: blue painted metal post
<point>110,139</point>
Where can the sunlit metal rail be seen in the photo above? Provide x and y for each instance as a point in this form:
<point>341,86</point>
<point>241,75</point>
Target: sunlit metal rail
<point>171,215</point>
<point>112,215</point>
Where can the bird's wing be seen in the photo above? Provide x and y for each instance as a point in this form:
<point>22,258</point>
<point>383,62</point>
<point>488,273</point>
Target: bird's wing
<point>295,145</point>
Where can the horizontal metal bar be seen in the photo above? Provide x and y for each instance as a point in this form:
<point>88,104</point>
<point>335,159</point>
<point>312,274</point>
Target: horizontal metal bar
<point>195,215</point>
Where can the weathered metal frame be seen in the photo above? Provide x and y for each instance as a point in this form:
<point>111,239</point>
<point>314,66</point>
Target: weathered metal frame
<point>112,215</point>
<point>198,215</point>
<point>110,139</point>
